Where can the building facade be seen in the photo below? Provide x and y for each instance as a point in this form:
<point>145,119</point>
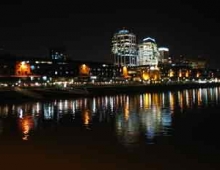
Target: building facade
<point>148,53</point>
<point>164,55</point>
<point>124,48</point>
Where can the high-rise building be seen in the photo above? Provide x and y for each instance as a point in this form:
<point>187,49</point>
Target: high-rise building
<point>148,53</point>
<point>58,53</point>
<point>164,54</point>
<point>124,48</point>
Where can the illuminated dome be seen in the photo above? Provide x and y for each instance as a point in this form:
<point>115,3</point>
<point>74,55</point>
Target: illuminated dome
<point>148,39</point>
<point>123,31</point>
<point>163,49</point>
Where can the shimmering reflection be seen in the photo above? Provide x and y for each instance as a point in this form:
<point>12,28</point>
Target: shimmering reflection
<point>26,124</point>
<point>86,118</point>
<point>132,117</point>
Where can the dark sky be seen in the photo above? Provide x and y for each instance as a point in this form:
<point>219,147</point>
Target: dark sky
<point>86,27</point>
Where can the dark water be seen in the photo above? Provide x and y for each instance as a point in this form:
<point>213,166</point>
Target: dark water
<point>170,130</point>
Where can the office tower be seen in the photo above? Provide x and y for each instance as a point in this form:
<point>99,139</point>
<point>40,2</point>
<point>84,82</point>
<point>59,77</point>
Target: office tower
<point>148,53</point>
<point>164,54</point>
<point>124,48</point>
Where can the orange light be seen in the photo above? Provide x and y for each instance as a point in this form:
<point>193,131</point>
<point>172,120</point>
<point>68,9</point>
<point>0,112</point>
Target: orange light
<point>22,68</point>
<point>26,124</point>
<point>84,69</point>
<point>126,111</point>
<point>86,118</point>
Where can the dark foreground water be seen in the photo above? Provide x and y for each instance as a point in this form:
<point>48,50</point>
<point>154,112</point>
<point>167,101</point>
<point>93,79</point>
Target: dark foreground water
<point>170,130</point>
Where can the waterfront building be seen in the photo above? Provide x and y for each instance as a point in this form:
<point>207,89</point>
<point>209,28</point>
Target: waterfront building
<point>105,72</point>
<point>124,48</point>
<point>30,70</point>
<point>22,68</point>
<point>148,53</point>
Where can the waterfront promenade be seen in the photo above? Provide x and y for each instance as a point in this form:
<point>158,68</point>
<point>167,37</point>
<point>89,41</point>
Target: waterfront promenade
<point>86,90</point>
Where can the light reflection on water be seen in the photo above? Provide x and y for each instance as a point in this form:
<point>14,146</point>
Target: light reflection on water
<point>134,116</point>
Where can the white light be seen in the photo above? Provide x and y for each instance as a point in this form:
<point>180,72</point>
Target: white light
<point>93,77</point>
<point>163,49</point>
<point>44,77</point>
<point>20,113</point>
<point>148,38</point>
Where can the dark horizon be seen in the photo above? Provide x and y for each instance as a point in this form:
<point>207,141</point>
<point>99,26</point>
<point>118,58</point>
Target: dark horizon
<point>86,28</point>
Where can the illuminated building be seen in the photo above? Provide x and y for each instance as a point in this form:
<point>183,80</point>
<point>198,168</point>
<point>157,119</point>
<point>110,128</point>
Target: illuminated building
<point>84,70</point>
<point>164,55</point>
<point>58,53</point>
<point>102,71</point>
<point>148,53</point>
<point>22,68</point>
<point>124,48</point>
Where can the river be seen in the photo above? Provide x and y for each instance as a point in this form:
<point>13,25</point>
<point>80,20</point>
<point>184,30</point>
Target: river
<point>165,130</point>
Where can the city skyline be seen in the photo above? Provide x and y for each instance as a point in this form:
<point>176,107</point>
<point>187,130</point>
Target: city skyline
<point>185,28</point>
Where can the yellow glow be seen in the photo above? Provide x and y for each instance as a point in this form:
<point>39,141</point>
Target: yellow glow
<point>171,100</point>
<point>145,76</point>
<point>86,117</point>
<point>147,100</point>
<point>171,73</point>
<point>180,73</point>
<point>180,98</point>
<point>155,98</point>
<point>187,73</point>
<point>154,74</point>
<point>126,111</point>
<point>125,71</point>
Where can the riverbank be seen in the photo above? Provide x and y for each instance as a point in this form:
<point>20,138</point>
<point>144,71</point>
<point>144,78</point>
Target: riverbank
<point>33,93</point>
<point>142,88</point>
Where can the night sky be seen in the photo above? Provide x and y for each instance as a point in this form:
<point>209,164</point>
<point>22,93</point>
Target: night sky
<point>86,27</point>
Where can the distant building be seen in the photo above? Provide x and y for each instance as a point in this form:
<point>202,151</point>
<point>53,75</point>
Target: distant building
<point>148,53</point>
<point>124,48</point>
<point>58,53</point>
<point>197,63</point>
<point>164,54</point>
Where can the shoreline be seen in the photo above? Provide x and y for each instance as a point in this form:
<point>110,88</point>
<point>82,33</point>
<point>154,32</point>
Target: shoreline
<point>40,94</point>
<point>141,88</point>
